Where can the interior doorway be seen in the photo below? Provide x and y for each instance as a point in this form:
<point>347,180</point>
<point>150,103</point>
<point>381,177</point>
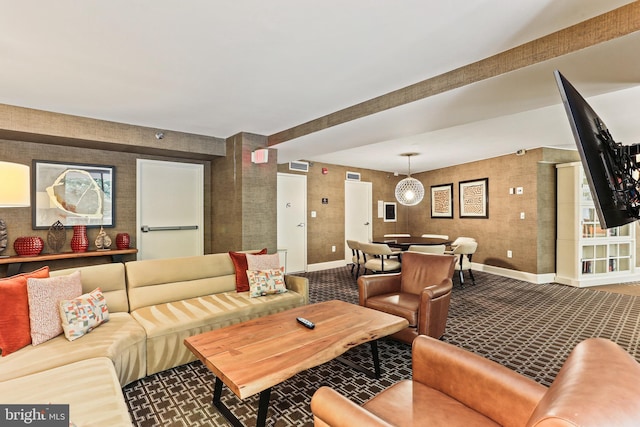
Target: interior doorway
<point>170,209</point>
<point>292,220</point>
<point>357,213</point>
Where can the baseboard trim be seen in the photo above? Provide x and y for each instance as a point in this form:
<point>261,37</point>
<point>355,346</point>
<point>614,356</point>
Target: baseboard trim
<point>505,272</point>
<point>515,274</point>
<point>607,279</point>
<point>326,265</point>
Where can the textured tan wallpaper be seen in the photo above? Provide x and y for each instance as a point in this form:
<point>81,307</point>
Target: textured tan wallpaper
<point>19,219</point>
<point>531,240</point>
<point>240,209</point>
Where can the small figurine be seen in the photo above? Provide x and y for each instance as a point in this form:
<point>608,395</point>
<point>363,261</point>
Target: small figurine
<point>103,242</point>
<point>3,235</point>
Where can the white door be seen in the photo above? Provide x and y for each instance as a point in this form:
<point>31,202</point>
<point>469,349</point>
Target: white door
<point>292,220</point>
<point>357,213</point>
<point>170,209</point>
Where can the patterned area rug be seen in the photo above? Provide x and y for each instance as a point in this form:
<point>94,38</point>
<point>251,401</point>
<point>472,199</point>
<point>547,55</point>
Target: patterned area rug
<point>528,328</point>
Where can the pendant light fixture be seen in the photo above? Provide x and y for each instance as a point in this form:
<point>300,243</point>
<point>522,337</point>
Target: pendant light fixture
<point>409,191</point>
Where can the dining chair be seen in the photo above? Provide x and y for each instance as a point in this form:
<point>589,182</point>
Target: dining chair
<point>457,242</point>
<point>356,256</point>
<point>427,249</point>
<point>464,252</point>
<point>377,258</point>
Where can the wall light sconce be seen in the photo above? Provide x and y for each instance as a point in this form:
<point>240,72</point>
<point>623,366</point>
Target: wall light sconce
<point>260,156</point>
<point>14,192</point>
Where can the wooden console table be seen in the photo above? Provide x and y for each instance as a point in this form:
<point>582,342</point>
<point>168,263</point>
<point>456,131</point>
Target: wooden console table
<point>14,263</point>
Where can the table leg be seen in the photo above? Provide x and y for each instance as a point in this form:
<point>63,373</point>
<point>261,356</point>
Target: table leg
<point>376,358</point>
<point>263,406</point>
<point>376,362</point>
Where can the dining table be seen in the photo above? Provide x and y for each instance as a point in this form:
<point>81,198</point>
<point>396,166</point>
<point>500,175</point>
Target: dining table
<point>403,243</point>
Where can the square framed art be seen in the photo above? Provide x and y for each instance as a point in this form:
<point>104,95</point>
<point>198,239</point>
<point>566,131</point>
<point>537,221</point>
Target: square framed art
<point>442,201</point>
<point>72,193</point>
<point>474,198</point>
<point>390,211</point>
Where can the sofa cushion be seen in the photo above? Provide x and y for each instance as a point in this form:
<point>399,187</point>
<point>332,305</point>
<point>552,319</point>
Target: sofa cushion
<point>83,314</point>
<point>239,260</point>
<point>121,339</point>
<point>44,295</point>
<point>90,388</point>
<point>167,325</point>
<point>110,278</point>
<point>158,281</point>
<point>15,330</point>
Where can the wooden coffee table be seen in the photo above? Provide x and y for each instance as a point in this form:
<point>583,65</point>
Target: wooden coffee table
<point>252,356</point>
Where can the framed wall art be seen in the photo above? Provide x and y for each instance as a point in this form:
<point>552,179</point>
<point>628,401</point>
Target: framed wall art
<point>474,198</point>
<point>74,194</point>
<point>390,212</point>
<point>442,201</point>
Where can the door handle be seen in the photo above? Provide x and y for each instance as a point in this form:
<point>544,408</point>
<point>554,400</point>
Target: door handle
<point>366,223</point>
<point>146,228</point>
<point>301,224</point>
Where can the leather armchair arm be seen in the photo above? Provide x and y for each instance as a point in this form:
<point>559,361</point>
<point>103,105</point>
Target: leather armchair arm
<point>332,409</point>
<point>436,291</point>
<point>497,392</point>
<point>434,308</point>
<point>378,284</point>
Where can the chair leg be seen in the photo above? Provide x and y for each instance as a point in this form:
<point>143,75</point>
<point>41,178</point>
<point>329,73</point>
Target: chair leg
<point>353,266</point>
<point>461,276</point>
<point>473,280</point>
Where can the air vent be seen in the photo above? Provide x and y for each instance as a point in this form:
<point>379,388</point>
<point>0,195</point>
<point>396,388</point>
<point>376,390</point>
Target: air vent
<point>353,176</point>
<point>299,166</point>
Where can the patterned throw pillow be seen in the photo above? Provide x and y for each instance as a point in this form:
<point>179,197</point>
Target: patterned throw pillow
<point>15,331</point>
<point>44,295</point>
<point>239,260</point>
<point>265,282</point>
<point>83,314</point>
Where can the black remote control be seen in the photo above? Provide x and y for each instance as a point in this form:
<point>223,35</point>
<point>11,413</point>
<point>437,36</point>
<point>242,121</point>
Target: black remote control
<point>306,323</point>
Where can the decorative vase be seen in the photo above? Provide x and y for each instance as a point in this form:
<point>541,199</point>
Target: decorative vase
<point>28,246</point>
<point>122,240</point>
<point>56,236</point>
<point>79,241</point>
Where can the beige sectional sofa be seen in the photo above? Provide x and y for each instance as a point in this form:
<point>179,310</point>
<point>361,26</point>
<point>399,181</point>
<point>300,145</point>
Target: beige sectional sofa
<point>153,305</point>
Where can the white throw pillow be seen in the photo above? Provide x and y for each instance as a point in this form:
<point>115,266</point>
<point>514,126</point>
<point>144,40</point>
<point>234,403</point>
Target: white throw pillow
<point>44,296</point>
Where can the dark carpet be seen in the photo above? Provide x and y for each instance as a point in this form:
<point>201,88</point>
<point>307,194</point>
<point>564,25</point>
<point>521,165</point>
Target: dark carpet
<point>526,327</point>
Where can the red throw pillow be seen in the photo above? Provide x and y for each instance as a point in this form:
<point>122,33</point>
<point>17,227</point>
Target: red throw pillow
<point>15,330</point>
<point>240,263</point>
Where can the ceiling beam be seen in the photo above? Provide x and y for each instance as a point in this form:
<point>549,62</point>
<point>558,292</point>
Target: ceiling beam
<point>608,26</point>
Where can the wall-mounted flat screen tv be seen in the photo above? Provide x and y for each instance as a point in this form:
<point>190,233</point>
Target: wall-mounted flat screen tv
<point>611,168</point>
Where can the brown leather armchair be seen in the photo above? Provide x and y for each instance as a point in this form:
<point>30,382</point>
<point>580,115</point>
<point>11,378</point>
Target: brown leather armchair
<point>420,293</point>
<point>597,386</point>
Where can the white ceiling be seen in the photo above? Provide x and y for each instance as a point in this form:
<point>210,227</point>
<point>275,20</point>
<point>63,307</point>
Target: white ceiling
<point>219,67</point>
